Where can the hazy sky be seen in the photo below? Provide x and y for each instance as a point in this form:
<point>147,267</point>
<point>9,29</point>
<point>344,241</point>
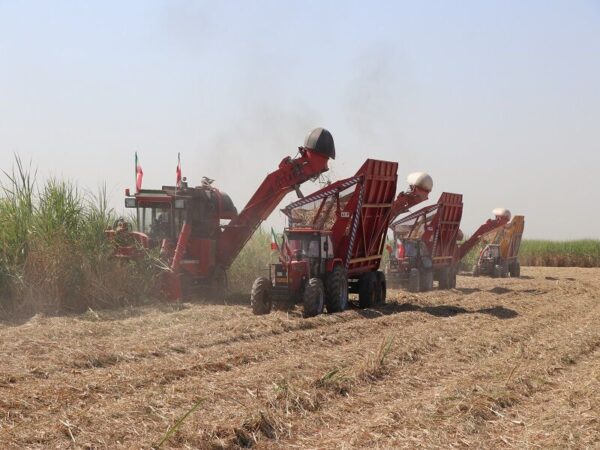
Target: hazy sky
<point>499,100</point>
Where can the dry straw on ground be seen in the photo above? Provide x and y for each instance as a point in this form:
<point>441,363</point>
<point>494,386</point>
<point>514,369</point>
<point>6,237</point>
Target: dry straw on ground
<point>493,364</point>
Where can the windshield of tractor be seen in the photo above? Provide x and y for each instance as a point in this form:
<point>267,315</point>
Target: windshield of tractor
<point>157,222</point>
<point>304,246</point>
<point>491,252</point>
<point>410,248</point>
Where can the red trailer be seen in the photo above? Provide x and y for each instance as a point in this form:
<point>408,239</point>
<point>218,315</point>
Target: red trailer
<point>185,222</point>
<point>334,243</point>
<point>425,246</point>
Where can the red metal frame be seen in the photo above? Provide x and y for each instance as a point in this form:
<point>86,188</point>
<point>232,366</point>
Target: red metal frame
<point>441,223</point>
<point>358,232</point>
<point>290,174</point>
<point>487,227</point>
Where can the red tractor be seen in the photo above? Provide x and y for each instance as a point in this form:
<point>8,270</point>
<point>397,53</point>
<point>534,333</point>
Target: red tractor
<point>427,245</point>
<point>185,222</point>
<point>334,243</point>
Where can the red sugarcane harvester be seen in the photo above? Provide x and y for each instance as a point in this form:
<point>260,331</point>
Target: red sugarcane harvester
<point>426,247</point>
<point>335,240</point>
<point>500,257</point>
<point>185,222</point>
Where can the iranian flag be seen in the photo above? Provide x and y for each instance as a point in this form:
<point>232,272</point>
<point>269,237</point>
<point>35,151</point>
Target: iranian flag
<point>274,245</point>
<point>178,171</point>
<point>139,174</point>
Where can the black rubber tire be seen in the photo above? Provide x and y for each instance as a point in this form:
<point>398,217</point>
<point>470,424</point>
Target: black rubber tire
<point>426,282</point>
<point>381,293</point>
<point>444,278</point>
<point>452,278</point>
<point>336,290</point>
<point>414,280</point>
<point>259,296</point>
<point>517,270</point>
<point>314,297</point>
<point>367,287</point>
<point>497,271</point>
<point>505,270</point>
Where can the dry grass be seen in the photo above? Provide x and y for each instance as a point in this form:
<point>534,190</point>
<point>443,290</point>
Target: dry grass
<point>496,363</point>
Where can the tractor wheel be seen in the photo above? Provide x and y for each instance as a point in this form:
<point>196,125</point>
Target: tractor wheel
<point>367,287</point>
<point>444,278</point>
<point>314,297</point>
<point>259,297</point>
<point>414,280</point>
<point>381,293</point>
<point>504,270</point>
<point>517,270</point>
<point>497,271</point>
<point>336,290</point>
<point>475,270</point>
<point>426,280</point>
<point>452,278</point>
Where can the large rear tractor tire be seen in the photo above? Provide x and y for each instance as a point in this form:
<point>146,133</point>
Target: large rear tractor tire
<point>259,297</point>
<point>336,290</point>
<point>314,297</point>
<point>414,280</point>
<point>381,293</point>
<point>426,280</point>
<point>444,278</point>
<point>367,288</point>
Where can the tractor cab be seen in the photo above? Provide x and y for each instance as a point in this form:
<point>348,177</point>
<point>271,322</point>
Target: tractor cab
<point>160,214</point>
<point>306,254</point>
<point>410,253</point>
<point>490,254</point>
<point>157,215</point>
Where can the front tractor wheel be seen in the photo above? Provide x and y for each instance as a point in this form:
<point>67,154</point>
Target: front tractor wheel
<point>497,271</point>
<point>426,280</point>
<point>314,297</point>
<point>259,297</point>
<point>367,288</point>
<point>336,290</point>
<point>414,280</point>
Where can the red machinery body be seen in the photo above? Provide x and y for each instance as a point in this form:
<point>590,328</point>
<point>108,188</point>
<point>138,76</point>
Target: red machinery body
<point>334,243</point>
<point>425,245</point>
<point>185,223</point>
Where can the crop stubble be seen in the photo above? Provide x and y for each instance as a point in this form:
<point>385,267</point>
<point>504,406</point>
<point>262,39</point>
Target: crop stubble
<point>496,363</point>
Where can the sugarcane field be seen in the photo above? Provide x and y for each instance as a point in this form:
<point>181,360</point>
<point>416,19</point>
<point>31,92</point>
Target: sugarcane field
<point>300,225</point>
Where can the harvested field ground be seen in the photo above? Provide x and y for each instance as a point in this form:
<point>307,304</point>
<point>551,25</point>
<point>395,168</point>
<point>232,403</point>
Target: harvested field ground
<point>494,364</point>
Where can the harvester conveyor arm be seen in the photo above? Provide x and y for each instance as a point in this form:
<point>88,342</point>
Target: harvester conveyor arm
<point>290,174</point>
<point>484,229</point>
<point>407,200</point>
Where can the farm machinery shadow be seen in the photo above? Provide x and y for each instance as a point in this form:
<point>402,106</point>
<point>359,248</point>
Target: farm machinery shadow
<point>500,312</point>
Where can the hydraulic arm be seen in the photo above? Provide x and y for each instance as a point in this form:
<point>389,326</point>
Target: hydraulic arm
<point>291,173</point>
